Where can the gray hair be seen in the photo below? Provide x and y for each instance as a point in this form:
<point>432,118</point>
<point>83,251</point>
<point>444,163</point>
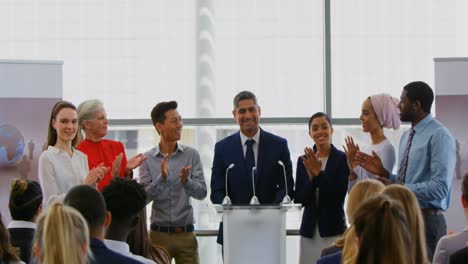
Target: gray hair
<point>87,109</point>
<point>244,95</point>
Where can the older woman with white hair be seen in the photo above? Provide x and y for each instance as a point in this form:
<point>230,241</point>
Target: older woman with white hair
<point>92,120</point>
<point>378,111</point>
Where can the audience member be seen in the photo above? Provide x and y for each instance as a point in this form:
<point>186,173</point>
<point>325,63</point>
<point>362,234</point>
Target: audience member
<point>415,220</point>
<point>345,246</point>
<point>451,243</point>
<point>25,205</point>
<point>62,236</point>
<point>61,166</point>
<point>382,232</point>
<point>427,160</point>
<point>8,254</point>
<point>125,199</point>
<point>378,111</point>
<point>172,174</point>
<point>459,257</point>
<point>90,203</point>
<point>321,184</point>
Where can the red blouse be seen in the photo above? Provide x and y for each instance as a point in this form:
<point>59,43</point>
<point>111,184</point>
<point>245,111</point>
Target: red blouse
<point>103,151</point>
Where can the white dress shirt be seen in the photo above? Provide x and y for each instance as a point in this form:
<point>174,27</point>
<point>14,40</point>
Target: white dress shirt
<point>59,172</point>
<point>21,224</point>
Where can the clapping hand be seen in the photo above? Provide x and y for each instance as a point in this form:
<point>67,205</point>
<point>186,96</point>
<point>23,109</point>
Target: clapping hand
<point>311,163</point>
<point>371,163</point>
<point>165,166</point>
<point>351,149</point>
<point>116,165</point>
<point>96,174</point>
<point>184,174</point>
<point>135,161</point>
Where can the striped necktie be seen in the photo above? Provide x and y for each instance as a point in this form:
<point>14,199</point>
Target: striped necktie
<point>404,162</point>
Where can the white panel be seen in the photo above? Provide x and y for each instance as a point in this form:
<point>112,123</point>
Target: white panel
<point>30,79</point>
<point>451,76</point>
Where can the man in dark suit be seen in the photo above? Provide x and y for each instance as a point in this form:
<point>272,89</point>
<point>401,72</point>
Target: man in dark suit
<point>90,203</point>
<point>254,153</point>
<point>25,205</point>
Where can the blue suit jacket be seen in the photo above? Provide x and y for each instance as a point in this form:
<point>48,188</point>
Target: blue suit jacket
<point>102,254</point>
<point>332,183</point>
<point>22,238</point>
<point>269,178</point>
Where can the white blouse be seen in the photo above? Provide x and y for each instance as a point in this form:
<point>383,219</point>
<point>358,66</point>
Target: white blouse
<point>386,153</point>
<point>58,173</point>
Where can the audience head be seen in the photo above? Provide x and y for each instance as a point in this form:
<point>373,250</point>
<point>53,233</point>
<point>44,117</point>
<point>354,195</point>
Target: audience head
<point>90,203</point>
<point>7,251</point>
<point>92,118</point>
<point>380,110</point>
<point>414,217</point>
<point>382,232</point>
<point>360,193</point>
<point>247,113</point>
<point>125,199</point>
<point>61,236</point>
<point>320,129</point>
<point>63,114</point>
<point>464,189</point>
<point>25,200</point>
<point>167,120</point>
<point>416,99</point>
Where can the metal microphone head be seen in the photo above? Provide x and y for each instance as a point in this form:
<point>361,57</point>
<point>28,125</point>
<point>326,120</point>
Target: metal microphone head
<point>231,166</point>
<point>280,162</point>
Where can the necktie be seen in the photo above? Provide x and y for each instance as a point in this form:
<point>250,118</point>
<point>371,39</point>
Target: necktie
<point>249,157</point>
<point>404,162</point>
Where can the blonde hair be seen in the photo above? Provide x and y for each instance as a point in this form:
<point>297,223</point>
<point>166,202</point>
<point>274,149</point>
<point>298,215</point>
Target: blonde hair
<point>415,219</point>
<point>62,236</point>
<point>382,228</point>
<point>360,193</point>
<point>85,112</point>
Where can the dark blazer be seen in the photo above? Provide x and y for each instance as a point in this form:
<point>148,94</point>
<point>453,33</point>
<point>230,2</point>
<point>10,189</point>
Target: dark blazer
<point>103,255</point>
<point>332,183</point>
<point>334,258</point>
<point>269,177</point>
<point>22,238</point>
<point>459,257</point>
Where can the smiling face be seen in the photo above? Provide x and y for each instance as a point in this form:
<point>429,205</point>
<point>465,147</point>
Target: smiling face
<point>320,131</point>
<point>368,118</point>
<point>66,124</point>
<point>97,126</point>
<point>247,115</point>
<point>170,129</point>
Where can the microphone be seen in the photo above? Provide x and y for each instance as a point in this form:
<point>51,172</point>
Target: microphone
<point>254,200</point>
<point>286,199</point>
<point>227,200</point>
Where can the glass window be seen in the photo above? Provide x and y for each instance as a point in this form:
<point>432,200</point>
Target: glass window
<point>380,46</point>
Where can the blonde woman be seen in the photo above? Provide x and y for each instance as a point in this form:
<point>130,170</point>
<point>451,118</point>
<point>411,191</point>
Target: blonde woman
<point>344,247</point>
<point>62,236</point>
<point>382,232</point>
<point>414,217</point>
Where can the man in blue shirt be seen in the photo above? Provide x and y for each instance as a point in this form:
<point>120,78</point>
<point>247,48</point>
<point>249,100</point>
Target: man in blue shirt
<point>427,160</point>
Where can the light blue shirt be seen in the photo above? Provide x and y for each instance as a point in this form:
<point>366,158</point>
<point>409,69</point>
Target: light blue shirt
<point>431,163</point>
<point>171,198</point>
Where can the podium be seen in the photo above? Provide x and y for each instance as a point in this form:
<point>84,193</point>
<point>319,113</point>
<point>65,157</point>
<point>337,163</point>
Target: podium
<point>254,234</point>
